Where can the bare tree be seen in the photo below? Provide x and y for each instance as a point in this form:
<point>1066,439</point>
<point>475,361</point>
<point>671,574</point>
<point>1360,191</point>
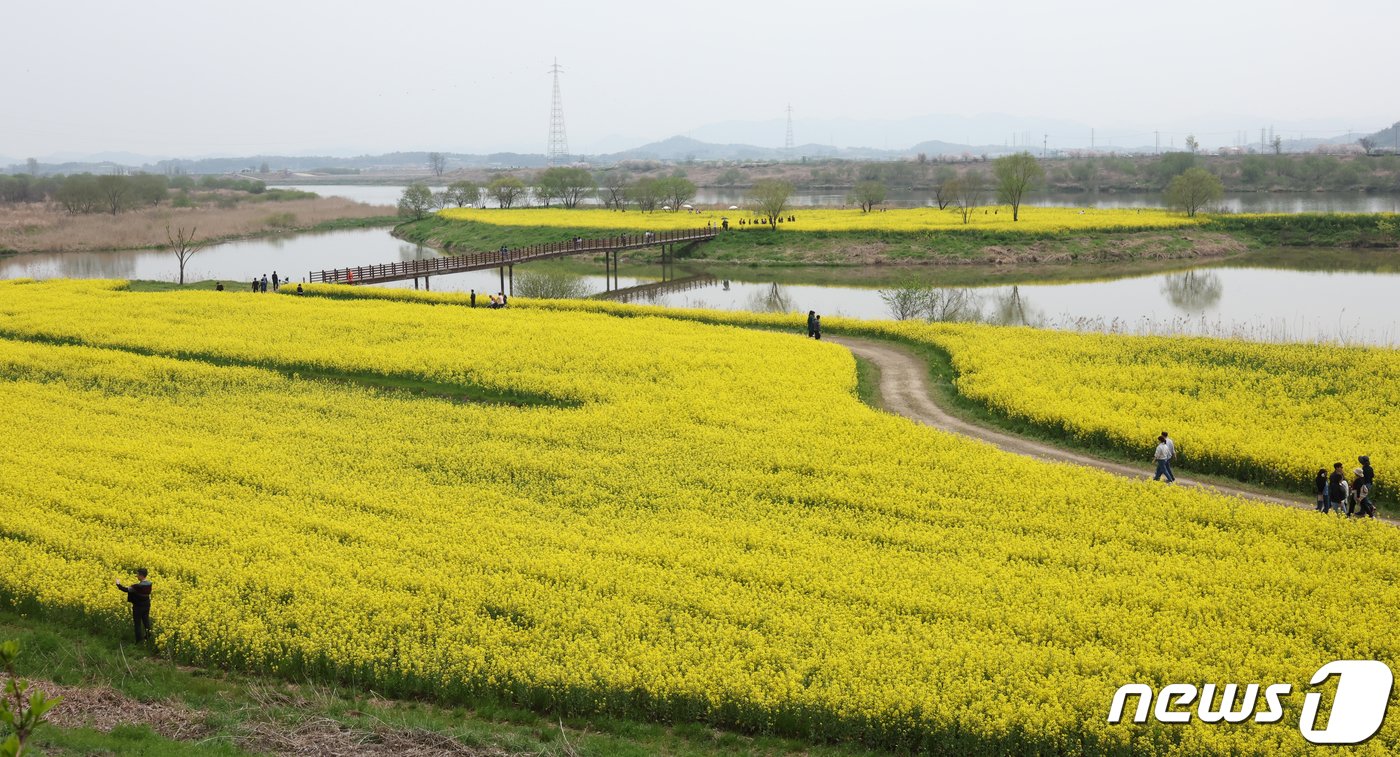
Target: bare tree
<point>966,194</point>
<point>1367,144</point>
<point>438,162</point>
<point>184,246</point>
<point>1277,144</point>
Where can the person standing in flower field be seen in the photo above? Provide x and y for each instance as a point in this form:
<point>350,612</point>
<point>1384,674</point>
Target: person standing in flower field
<point>1361,495</point>
<point>1163,456</point>
<point>1368,472</point>
<point>139,595</point>
<point>1336,490</point>
<point>811,323</point>
<point>1320,486</point>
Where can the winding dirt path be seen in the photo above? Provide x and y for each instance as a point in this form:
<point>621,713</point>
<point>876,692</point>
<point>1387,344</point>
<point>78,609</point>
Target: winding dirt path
<point>905,390</point>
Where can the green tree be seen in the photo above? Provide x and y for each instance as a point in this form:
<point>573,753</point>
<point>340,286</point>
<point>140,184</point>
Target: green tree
<point>1191,144</point>
<point>505,190</point>
<point>463,193</point>
<point>1194,190</point>
<point>676,191</point>
<point>79,194</point>
<point>417,201</point>
<point>612,189</point>
<point>570,185</point>
<point>1016,175</point>
<point>646,194</point>
<point>770,198</point>
<point>1171,165</point>
<point>115,192</point>
<point>868,194</point>
<point>150,189</point>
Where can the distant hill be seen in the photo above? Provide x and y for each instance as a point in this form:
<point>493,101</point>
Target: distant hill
<point>1388,139</point>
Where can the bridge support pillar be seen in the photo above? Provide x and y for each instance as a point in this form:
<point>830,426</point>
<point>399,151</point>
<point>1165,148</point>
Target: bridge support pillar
<point>415,282</point>
<point>426,285</point>
<point>512,279</point>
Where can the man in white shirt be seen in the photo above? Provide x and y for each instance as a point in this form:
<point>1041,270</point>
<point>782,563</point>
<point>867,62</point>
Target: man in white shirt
<point>1171,455</point>
<point>1163,456</point>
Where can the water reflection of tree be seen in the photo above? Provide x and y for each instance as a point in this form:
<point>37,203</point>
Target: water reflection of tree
<point>773,298</point>
<point>1193,290</point>
<point>1009,308</point>
<point>924,302</point>
<point>408,252</point>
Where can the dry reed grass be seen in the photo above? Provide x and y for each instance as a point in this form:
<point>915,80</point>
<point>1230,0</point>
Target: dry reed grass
<point>36,228</point>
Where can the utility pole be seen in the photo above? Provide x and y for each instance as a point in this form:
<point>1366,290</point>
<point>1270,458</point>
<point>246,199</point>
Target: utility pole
<point>1045,146</point>
<point>1091,140</point>
<point>1157,143</point>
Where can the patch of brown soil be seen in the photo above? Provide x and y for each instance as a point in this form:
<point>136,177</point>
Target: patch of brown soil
<point>103,708</point>
<point>324,737</point>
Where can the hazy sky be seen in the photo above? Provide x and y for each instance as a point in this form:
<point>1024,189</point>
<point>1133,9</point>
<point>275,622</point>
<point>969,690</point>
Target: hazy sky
<point>191,78</point>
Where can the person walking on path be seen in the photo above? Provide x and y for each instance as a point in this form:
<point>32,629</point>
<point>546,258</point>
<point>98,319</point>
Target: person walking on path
<point>1336,490</point>
<point>811,323</point>
<point>1361,495</point>
<point>1163,455</point>
<point>473,298</point>
<point>139,595</point>
<point>264,284</point>
<point>1171,455</point>
<point>276,282</point>
<point>817,328</point>
<point>255,285</point>
<point>1368,472</point>
<point>1320,486</point>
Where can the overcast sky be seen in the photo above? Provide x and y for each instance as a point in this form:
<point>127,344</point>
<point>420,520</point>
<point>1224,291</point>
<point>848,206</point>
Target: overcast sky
<point>190,79</point>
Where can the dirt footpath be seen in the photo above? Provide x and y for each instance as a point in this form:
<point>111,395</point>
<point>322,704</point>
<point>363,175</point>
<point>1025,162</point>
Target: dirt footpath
<point>905,390</point>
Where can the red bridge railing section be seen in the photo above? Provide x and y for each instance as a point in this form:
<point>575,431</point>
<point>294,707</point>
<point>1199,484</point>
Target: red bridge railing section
<point>372,274</point>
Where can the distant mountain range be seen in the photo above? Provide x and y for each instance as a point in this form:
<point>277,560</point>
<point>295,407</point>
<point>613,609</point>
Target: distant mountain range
<point>674,149</point>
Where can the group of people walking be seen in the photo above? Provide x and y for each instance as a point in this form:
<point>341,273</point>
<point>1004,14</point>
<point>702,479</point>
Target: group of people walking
<point>814,325</point>
<point>1165,452</point>
<point>1354,497</point>
<point>260,284</point>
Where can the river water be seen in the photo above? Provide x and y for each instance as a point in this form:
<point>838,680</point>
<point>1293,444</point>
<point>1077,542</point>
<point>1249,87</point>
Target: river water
<point>1308,295</point>
<point>1234,202</point>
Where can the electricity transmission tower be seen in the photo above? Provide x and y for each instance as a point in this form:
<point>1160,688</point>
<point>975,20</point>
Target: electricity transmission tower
<point>789,143</point>
<point>558,141</point>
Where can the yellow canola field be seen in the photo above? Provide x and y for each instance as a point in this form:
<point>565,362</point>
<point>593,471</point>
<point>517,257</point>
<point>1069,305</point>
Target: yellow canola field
<point>896,220</point>
<point>1266,413</point>
<point>708,527</point>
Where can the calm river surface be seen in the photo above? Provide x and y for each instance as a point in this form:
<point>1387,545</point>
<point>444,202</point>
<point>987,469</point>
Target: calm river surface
<point>1235,202</point>
<point>1298,295</point>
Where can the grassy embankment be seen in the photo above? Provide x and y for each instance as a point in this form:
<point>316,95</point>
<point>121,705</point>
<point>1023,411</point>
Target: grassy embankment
<point>37,228</point>
<point>1218,237</point>
<point>124,699</point>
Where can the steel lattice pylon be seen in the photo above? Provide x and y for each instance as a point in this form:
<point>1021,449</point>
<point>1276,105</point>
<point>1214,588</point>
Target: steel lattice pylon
<point>789,143</point>
<point>558,141</point>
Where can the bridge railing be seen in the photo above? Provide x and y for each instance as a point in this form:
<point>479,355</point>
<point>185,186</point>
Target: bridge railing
<point>457,263</point>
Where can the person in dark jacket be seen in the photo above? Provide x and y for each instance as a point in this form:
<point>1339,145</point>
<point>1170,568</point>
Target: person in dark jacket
<point>139,595</point>
<point>817,328</point>
<point>1337,490</point>
<point>276,282</point>
<point>473,298</point>
<point>1320,486</point>
<point>1368,472</point>
<point>811,323</point>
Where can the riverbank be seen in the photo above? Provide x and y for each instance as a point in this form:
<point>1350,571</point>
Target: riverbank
<point>861,248</point>
<point>1212,237</point>
<point>37,229</point>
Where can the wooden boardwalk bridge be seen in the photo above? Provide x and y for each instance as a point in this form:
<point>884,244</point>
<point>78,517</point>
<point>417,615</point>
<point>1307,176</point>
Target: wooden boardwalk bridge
<point>506,258</point>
